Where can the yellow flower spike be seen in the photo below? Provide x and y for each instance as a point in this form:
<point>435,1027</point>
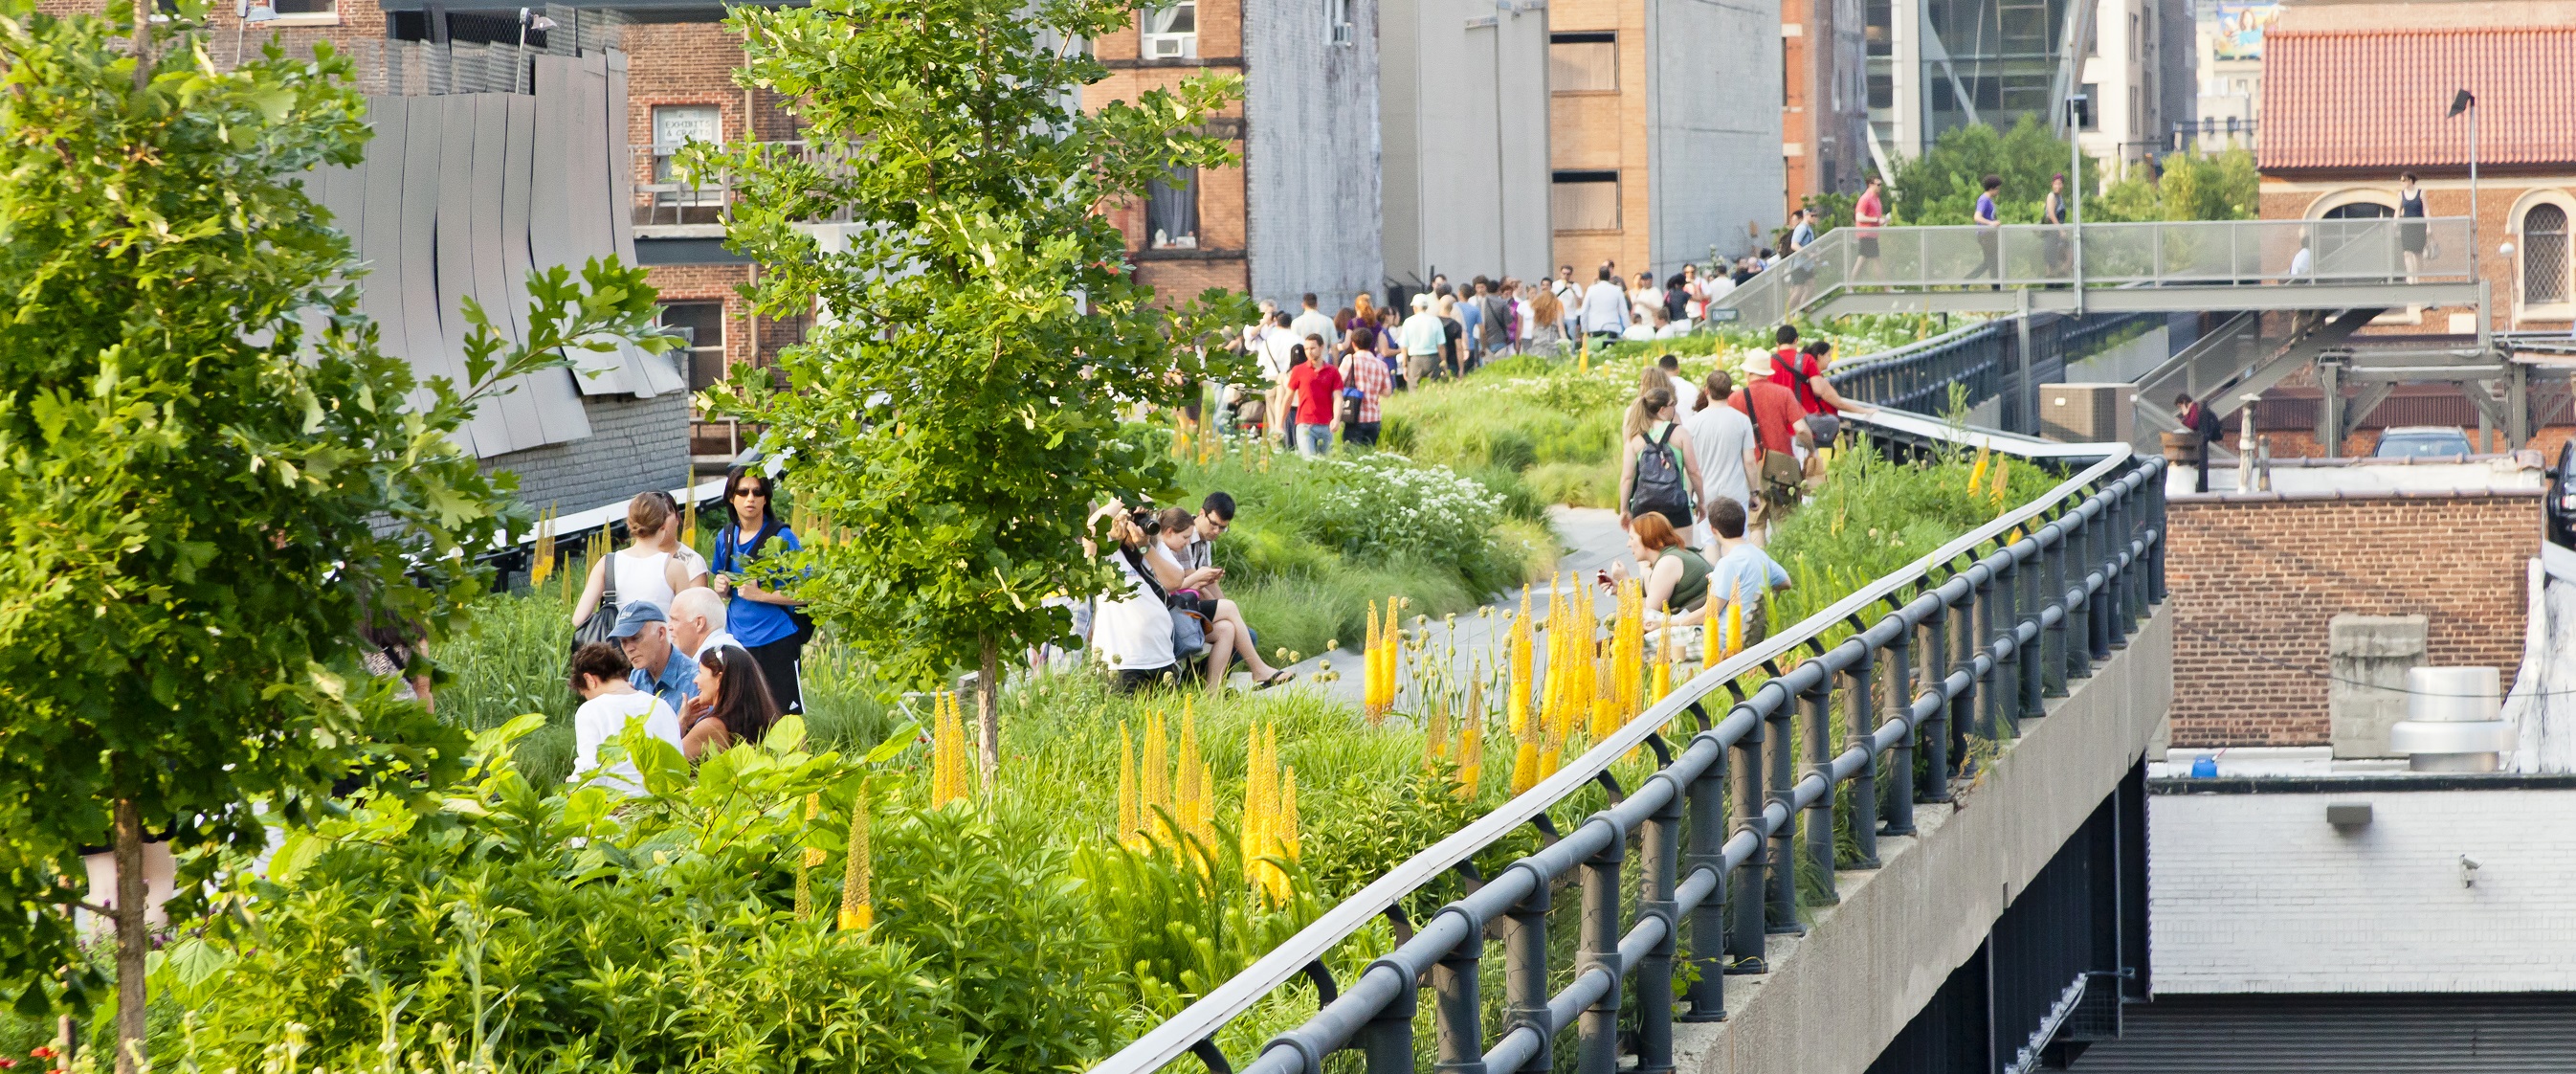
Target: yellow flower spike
<point>858,900</point>
<point>805,865</point>
<point>1471,756</point>
<point>1977,475</point>
<point>1524,766</point>
<point>1155,776</point>
<point>1126,785</point>
<point>2003,472</point>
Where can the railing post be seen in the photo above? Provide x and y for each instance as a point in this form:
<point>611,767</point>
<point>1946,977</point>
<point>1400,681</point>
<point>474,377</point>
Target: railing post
<point>1597,1050</point>
<point>1897,795</point>
<point>1860,710</point>
<point>2118,509</point>
<point>1708,920</point>
<point>2033,663</point>
<point>2007,669</point>
<point>1661,845</point>
<point>1525,974</point>
<point>1935,734</point>
<point>2098,610</point>
<point>1780,769</point>
<point>2052,642</point>
<point>1817,703</point>
<point>2079,604</point>
<point>2156,571</point>
<point>1459,1010</point>
<point>1981,641</point>
<point>1750,889</point>
<point>1387,1040</point>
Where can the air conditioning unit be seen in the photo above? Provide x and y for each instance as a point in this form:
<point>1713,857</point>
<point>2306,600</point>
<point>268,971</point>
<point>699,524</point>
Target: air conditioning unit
<point>1171,46</point>
<point>2087,413</point>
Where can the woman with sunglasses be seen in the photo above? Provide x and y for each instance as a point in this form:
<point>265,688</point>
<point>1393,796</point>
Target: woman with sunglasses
<point>765,623</point>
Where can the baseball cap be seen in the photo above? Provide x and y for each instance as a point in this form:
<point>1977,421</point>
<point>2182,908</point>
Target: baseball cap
<point>631,619</point>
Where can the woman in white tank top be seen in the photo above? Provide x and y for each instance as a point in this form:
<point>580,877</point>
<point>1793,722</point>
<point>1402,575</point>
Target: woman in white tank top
<point>653,566</point>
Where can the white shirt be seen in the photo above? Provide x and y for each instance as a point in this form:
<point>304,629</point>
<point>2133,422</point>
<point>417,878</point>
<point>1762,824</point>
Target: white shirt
<point>2302,263</point>
<point>716,640</point>
<point>1274,354</point>
<point>1133,633</point>
<point>1685,395</point>
<point>641,578</point>
<point>1605,308</point>
<point>601,719</point>
<point>1314,323</point>
<point>1720,435</point>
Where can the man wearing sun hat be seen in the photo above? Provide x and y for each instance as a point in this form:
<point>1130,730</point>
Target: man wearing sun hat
<point>1776,414</point>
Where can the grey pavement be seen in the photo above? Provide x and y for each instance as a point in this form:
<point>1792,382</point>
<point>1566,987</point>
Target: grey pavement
<point>1591,540</point>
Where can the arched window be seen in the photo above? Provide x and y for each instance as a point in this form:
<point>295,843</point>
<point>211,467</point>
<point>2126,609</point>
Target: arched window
<point>2545,265</point>
<point>2359,210</point>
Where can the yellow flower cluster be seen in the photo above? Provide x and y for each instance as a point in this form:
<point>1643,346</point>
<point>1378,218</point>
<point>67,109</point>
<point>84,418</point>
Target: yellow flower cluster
<point>543,567</point>
<point>1269,814</point>
<point>950,766</point>
<point>1178,802</point>
<point>858,897</point>
<point>1382,662</point>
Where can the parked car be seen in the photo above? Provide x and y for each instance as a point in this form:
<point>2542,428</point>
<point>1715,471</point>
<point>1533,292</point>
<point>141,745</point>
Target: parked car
<point>2422,442</point>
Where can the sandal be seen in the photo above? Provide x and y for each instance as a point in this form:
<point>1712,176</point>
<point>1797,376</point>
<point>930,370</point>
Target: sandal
<point>1277,676</point>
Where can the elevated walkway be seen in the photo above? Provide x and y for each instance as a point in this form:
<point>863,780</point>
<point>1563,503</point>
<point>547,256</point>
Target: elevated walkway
<point>2172,266</point>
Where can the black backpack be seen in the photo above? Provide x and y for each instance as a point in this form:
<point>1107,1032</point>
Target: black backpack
<point>1659,486</point>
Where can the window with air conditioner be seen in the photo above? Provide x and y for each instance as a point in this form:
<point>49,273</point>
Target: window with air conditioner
<point>1583,61</point>
<point>1172,30</point>
<point>1584,200</point>
<point>1339,29</point>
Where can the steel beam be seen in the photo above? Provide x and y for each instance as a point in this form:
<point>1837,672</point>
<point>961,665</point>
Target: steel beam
<point>2263,297</point>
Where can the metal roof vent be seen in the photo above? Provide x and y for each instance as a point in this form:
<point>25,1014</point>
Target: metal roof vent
<point>2451,722</point>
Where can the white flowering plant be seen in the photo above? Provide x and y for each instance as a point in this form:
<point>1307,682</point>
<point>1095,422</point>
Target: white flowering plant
<point>1384,504</point>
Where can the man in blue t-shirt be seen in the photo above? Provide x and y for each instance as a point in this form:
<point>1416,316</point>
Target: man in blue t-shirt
<point>1990,226</point>
<point>1743,573</point>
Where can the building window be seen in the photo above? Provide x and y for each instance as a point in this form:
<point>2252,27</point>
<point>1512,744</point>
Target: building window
<point>2358,210</point>
<point>1583,62</point>
<point>1584,201</point>
<point>2545,266</point>
<point>1337,22</point>
<point>702,325</point>
<point>2093,106</point>
<point>1172,31</point>
<point>306,11</point>
<point>676,125</point>
<point>1172,211</point>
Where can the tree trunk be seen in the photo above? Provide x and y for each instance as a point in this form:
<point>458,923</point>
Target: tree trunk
<point>142,78</point>
<point>988,711</point>
<point>132,937</point>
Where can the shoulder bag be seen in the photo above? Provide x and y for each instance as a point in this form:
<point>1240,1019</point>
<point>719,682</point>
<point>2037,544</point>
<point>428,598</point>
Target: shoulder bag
<point>604,618</point>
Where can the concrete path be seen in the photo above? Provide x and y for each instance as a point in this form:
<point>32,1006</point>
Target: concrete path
<point>1592,541</point>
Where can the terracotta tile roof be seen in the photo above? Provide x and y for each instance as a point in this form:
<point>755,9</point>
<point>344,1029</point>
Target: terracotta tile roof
<point>2376,98</point>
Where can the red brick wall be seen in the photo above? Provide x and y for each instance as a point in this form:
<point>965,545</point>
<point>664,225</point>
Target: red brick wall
<point>2443,196</point>
<point>2254,581</point>
<point>1222,217</point>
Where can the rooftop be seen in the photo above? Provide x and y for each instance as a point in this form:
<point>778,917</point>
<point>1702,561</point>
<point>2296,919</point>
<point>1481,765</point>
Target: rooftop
<point>2377,98</point>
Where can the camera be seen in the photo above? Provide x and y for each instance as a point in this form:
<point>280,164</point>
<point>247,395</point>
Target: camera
<point>1144,519</point>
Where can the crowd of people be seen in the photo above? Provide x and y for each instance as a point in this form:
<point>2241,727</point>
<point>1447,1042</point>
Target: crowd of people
<point>699,651</point>
<point>1704,467</point>
<point>1325,377</point>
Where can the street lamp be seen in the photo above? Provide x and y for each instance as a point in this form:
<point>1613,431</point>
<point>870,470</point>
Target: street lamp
<point>528,20</point>
<point>2465,101</point>
<point>243,10</point>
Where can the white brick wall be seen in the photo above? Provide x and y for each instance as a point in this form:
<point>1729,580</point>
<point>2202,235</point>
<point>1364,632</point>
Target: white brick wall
<point>2257,893</point>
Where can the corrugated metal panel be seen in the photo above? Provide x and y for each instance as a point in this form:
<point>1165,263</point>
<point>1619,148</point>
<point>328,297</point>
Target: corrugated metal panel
<point>380,291</point>
<point>621,166</point>
<point>453,251</point>
<point>491,134</point>
<point>557,398</point>
<point>2344,1034</point>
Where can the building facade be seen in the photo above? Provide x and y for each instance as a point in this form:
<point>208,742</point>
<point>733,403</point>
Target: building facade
<point>1936,65</point>
<point>2229,48</point>
<point>1824,108</point>
<point>1663,146</point>
<point>2354,94</point>
<point>1300,212</point>
<point>1464,120</point>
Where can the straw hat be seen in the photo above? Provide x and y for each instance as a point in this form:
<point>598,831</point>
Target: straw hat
<point>1757,364</point>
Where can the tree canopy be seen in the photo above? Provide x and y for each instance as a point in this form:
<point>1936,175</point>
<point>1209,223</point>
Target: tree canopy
<point>211,477</point>
<point>980,349</point>
<point>1941,186</point>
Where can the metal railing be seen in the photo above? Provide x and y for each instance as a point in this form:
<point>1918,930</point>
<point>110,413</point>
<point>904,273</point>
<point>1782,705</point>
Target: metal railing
<point>2156,254</point>
<point>1978,358</point>
<point>2053,586</point>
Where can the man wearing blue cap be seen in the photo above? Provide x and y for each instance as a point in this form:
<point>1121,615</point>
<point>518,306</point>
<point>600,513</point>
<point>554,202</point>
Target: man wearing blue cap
<point>645,633</point>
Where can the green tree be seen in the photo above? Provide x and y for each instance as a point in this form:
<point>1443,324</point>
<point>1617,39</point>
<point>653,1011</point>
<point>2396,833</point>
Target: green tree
<point>2185,186</point>
<point>1941,186</point>
<point>208,475</point>
<point>964,402</point>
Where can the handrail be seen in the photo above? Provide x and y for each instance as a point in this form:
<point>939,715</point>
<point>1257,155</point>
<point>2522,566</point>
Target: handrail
<point>2108,579</point>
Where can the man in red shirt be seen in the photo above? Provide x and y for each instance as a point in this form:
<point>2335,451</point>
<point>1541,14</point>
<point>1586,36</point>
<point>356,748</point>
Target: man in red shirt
<point>1318,388</point>
<point>1775,413</point>
<point>1802,371</point>
<point>1867,215</point>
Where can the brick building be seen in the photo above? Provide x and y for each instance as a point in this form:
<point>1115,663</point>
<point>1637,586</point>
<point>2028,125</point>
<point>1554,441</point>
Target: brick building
<point>1300,213</point>
<point>1663,142</point>
<point>2256,579</point>
<point>1824,107</point>
<point>2355,93</point>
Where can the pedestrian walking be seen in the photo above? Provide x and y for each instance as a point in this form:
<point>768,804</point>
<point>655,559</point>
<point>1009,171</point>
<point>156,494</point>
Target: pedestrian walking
<point>1364,388</point>
<point>1605,308</point>
<point>2410,232</point>
<point>1317,386</point>
<point>1990,231</point>
<point>1868,215</point>
<point>1723,439</point>
<point>1657,470</point>
<point>1547,323</point>
<point>1774,411</point>
<point>1453,334</point>
<point>1310,321</point>
<point>1421,341</point>
<point>652,568</point>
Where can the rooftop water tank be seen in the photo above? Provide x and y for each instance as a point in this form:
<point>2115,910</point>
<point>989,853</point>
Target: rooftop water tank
<point>2451,722</point>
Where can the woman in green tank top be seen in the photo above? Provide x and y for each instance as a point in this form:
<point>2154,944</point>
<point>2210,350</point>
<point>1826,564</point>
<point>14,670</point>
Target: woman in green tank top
<point>1676,575</point>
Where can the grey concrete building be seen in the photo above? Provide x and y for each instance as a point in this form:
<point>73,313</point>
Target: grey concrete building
<point>1311,157</point>
<point>1465,127</point>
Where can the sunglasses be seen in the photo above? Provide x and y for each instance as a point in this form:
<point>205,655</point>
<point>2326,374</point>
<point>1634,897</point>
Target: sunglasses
<point>749,493</point>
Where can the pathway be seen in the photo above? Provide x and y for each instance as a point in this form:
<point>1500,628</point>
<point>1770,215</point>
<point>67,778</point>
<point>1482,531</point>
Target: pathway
<point>1592,540</point>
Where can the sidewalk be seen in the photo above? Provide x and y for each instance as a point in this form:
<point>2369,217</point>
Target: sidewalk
<point>1592,540</point>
